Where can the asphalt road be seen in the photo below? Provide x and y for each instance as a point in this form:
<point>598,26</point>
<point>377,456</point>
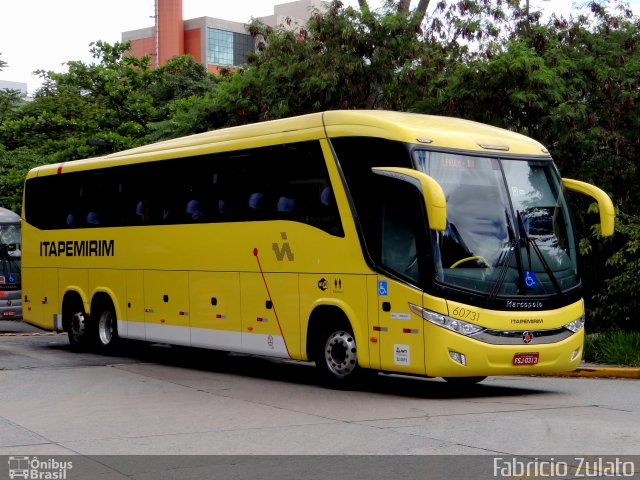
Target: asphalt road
<point>158,400</point>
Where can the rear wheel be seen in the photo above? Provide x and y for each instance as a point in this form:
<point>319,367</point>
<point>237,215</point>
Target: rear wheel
<point>105,327</point>
<point>77,331</point>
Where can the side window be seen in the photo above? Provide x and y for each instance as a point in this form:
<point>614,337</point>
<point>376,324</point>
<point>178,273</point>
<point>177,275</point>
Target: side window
<point>403,246</point>
<point>284,182</point>
<point>398,246</point>
<point>356,156</point>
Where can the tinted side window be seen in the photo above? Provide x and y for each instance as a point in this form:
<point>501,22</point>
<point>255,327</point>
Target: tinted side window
<point>287,182</point>
<point>403,231</point>
<point>356,156</point>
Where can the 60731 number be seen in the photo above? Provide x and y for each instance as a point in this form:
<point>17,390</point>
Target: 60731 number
<point>465,314</point>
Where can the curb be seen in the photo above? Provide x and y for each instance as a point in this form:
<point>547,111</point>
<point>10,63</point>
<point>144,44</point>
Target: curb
<point>30,334</point>
<point>601,372</point>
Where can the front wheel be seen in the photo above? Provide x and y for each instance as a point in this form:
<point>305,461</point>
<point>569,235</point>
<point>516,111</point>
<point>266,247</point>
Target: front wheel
<point>337,355</point>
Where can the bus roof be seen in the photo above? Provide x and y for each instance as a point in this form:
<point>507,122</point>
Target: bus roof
<point>7,216</point>
<point>434,131</point>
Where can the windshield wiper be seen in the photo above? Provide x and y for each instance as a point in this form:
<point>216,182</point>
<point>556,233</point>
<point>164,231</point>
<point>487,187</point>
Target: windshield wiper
<point>530,242</point>
<point>502,274</point>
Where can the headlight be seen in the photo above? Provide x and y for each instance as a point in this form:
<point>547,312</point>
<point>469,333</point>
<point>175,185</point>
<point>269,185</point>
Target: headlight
<point>576,325</point>
<point>453,324</point>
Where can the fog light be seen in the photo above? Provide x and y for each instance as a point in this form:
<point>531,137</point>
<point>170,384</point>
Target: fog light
<point>458,357</point>
<point>575,353</point>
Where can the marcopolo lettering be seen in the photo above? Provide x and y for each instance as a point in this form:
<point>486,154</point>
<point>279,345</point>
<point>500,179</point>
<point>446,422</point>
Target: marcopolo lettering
<point>524,305</point>
<point>78,248</point>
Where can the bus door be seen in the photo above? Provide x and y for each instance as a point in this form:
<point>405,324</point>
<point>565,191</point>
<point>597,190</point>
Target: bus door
<point>401,336</point>
<point>400,247</point>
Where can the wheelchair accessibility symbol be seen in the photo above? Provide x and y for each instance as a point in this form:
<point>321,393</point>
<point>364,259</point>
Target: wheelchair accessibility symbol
<point>530,280</point>
<point>383,288</point>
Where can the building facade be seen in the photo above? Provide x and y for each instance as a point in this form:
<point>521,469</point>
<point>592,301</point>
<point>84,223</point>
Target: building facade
<point>215,43</point>
<point>20,86</point>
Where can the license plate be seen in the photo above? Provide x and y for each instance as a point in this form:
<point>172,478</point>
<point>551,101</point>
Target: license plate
<point>526,358</point>
<point>9,313</point>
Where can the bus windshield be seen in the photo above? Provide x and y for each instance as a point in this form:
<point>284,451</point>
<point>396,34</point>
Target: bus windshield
<point>10,254</point>
<point>508,231</point>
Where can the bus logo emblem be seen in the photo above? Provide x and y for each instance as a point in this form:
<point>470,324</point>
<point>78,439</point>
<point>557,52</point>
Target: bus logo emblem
<point>284,250</point>
<point>527,337</point>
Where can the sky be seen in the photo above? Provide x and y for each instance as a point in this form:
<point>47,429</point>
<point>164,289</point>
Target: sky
<point>44,34</point>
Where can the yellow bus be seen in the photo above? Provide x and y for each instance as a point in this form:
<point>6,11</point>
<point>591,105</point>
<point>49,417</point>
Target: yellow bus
<point>359,240</point>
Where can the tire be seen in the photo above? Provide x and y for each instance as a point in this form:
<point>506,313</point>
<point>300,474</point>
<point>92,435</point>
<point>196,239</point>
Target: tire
<point>104,326</point>
<point>77,331</point>
<point>464,380</point>
<point>336,356</point>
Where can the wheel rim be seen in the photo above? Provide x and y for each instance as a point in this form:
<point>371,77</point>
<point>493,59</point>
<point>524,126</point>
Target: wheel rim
<point>105,328</point>
<point>77,328</point>
<point>340,353</point>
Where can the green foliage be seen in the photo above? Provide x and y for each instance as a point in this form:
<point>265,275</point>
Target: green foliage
<point>573,84</point>
<point>186,116</point>
<point>116,85</point>
<point>617,300</point>
<point>181,77</point>
<point>14,165</point>
<point>10,101</point>
<point>614,347</point>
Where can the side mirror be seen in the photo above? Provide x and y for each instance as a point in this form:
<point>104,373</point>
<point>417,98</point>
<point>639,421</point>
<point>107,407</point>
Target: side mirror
<point>605,205</point>
<point>431,190</point>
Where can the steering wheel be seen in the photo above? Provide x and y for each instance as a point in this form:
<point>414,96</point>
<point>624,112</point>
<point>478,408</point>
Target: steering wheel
<point>411,263</point>
<point>469,259</point>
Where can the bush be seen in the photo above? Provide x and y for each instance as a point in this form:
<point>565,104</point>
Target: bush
<point>617,303</point>
<point>614,347</point>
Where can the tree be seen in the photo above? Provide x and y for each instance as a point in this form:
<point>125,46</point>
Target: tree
<point>180,77</point>
<point>10,100</point>
<point>106,100</point>
<point>344,58</point>
<point>572,84</point>
<point>615,300</point>
<point>116,85</point>
<point>14,166</point>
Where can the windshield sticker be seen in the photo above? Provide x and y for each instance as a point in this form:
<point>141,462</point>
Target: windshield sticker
<point>530,280</point>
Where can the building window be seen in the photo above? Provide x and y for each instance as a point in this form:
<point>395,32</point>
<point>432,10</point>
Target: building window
<point>228,48</point>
